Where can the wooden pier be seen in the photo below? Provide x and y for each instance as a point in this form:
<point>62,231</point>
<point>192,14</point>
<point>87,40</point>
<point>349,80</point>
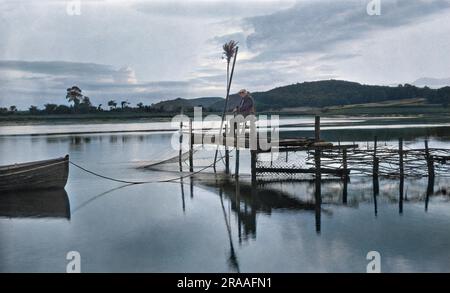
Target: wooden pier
<point>315,157</point>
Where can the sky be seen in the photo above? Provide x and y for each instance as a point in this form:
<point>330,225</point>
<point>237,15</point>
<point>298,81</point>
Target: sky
<point>147,51</point>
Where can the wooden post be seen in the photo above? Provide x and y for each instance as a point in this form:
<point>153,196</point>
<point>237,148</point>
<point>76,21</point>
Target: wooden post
<point>344,162</point>
<point>191,147</point>
<point>345,175</point>
<point>430,165</point>
<point>236,169</point>
<point>430,161</point>
<point>227,152</point>
<point>318,191</point>
<point>400,152</point>
<point>317,128</point>
<point>376,185</point>
<point>376,168</point>
<point>254,157</point>
<point>180,154</point>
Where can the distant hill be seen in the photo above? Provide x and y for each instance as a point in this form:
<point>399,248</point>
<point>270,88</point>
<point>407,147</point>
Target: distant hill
<point>177,104</point>
<point>319,94</point>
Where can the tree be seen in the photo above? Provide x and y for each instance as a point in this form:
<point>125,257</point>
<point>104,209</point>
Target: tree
<point>99,107</point>
<point>13,109</point>
<point>50,108</point>
<point>112,104</point>
<point>33,109</point>
<point>85,105</point>
<point>62,109</point>
<point>124,104</point>
<point>74,95</point>
<point>86,101</point>
<point>140,105</point>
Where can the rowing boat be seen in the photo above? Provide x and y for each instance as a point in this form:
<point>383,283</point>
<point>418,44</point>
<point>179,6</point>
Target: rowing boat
<point>48,174</point>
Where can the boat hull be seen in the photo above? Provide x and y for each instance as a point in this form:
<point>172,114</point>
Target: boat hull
<point>42,175</point>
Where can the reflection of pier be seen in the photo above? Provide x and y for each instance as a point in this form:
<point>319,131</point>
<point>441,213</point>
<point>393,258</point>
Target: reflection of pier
<point>247,200</point>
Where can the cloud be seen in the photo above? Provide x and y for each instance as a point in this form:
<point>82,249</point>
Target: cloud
<point>166,49</point>
<point>432,82</point>
<point>318,26</point>
<point>37,82</point>
<point>211,9</point>
<point>56,67</point>
<point>125,75</point>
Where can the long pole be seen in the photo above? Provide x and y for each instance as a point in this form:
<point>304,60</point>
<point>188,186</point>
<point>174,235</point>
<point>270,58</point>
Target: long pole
<point>191,147</point>
<point>226,104</point>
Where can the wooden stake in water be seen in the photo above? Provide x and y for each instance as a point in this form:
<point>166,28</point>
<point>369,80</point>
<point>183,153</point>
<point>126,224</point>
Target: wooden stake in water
<point>317,128</point>
<point>254,157</point>
<point>236,170</point>
<point>430,161</point>
<point>180,155</point>
<point>376,168</point>
<point>345,175</point>
<point>402,175</point>
<point>191,147</point>
<point>227,152</point>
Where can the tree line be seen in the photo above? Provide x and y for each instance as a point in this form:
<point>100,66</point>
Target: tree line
<point>80,104</point>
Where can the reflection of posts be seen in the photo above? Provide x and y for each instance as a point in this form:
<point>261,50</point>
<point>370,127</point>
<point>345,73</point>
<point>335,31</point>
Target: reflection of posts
<point>430,191</point>
<point>238,208</point>
<point>183,204</point>
<point>192,186</point>
<point>232,259</point>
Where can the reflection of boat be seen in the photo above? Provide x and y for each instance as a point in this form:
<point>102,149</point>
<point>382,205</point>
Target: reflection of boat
<point>35,204</point>
<point>48,174</point>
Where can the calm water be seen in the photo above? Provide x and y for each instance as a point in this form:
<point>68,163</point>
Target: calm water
<point>211,223</point>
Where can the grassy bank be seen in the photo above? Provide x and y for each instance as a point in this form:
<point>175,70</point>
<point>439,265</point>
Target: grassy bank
<point>118,117</point>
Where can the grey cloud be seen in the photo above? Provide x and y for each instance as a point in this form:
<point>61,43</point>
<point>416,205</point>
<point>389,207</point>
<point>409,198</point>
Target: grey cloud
<point>432,82</point>
<point>210,9</point>
<point>46,82</point>
<point>317,26</point>
<point>56,67</point>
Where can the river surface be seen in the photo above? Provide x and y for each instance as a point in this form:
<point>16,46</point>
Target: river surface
<point>212,223</point>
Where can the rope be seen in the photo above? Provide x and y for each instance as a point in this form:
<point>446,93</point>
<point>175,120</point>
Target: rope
<point>144,182</point>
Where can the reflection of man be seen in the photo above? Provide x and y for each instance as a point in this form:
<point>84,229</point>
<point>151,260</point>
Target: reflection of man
<point>247,105</point>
